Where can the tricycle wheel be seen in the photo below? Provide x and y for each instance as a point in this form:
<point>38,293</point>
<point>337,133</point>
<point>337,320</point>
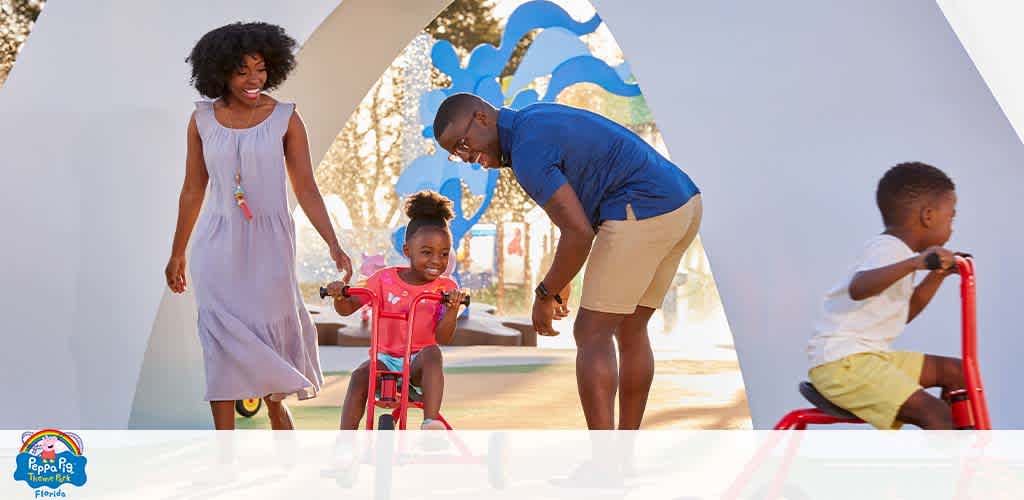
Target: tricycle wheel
<point>248,407</point>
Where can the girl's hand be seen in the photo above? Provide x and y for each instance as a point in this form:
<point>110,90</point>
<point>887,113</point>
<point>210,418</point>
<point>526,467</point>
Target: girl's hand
<point>335,288</point>
<point>175,274</point>
<point>455,298</point>
<point>341,260</point>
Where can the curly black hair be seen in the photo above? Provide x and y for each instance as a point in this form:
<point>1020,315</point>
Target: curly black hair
<point>427,208</point>
<point>904,185</point>
<point>218,54</point>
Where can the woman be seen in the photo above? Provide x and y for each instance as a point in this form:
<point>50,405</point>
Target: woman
<point>258,339</point>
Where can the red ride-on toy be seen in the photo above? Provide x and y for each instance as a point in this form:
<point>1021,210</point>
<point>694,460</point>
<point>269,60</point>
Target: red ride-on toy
<point>970,410</point>
<point>384,391</point>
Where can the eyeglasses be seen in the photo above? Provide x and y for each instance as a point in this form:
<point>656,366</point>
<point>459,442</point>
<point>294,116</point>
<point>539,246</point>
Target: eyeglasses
<point>461,148</point>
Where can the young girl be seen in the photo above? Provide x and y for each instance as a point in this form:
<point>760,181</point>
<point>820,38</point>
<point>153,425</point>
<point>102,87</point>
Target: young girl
<point>427,245</point>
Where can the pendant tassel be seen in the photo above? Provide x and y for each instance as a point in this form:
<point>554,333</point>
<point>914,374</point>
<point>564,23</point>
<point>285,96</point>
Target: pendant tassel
<point>240,198</point>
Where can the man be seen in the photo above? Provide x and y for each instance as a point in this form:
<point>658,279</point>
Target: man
<point>614,198</point>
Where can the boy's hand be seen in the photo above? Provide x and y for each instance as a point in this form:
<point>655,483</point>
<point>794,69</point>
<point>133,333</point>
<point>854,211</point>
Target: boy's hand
<point>335,288</point>
<point>947,260</point>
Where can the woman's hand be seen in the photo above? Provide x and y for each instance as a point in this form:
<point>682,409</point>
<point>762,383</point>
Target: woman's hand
<point>175,274</point>
<point>341,260</point>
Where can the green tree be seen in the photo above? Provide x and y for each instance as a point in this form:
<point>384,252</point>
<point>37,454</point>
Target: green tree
<point>363,163</point>
<point>468,23</point>
<point>17,18</point>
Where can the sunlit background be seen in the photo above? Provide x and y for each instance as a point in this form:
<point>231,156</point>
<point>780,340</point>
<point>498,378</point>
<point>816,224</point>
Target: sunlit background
<point>502,255</point>
<point>507,252</point>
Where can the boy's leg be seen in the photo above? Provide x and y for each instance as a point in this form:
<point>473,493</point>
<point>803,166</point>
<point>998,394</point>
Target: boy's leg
<point>922,409</point>
<point>354,407</point>
<point>881,388</point>
<point>926,411</point>
<point>427,373</point>
<point>940,371</point>
<point>636,367</point>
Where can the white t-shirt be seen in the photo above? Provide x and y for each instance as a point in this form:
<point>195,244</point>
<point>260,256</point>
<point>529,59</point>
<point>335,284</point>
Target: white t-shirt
<point>847,326</point>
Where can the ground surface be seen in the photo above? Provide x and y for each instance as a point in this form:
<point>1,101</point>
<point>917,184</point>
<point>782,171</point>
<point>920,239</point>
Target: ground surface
<point>535,388</point>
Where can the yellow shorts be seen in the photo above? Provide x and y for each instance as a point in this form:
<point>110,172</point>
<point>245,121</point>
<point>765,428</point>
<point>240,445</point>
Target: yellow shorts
<point>634,261</point>
<point>871,385</point>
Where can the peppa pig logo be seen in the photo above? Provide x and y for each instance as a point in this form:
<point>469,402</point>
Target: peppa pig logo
<point>50,458</point>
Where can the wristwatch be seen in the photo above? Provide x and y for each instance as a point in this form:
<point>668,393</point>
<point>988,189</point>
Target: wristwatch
<point>542,292</point>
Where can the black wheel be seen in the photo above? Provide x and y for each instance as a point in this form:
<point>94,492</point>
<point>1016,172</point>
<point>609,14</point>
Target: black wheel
<point>386,422</point>
<point>248,407</point>
<point>497,458</point>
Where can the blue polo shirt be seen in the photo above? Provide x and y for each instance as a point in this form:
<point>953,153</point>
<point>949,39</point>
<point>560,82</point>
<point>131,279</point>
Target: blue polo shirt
<point>606,164</point>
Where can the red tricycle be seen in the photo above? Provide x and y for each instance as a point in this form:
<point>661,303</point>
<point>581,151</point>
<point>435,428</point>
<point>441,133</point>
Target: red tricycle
<point>969,407</point>
<point>384,391</point>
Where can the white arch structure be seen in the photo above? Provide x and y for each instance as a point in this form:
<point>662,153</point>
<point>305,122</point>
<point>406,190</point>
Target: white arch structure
<point>785,113</point>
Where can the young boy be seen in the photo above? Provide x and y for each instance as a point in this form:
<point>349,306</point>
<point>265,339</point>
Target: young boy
<point>851,359</point>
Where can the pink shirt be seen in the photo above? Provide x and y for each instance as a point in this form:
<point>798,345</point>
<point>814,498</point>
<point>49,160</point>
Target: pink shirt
<point>396,296</point>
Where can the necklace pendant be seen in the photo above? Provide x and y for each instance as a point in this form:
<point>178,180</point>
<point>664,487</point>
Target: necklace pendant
<point>242,204</point>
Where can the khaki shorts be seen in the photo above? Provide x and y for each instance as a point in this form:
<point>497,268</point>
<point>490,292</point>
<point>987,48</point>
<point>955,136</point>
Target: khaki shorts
<point>634,261</point>
<point>871,385</point>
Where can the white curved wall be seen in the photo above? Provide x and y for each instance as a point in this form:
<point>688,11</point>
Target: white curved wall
<point>785,114</point>
<point>991,34</point>
<point>93,120</point>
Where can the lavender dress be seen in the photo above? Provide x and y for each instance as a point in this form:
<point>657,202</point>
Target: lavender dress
<point>258,338</point>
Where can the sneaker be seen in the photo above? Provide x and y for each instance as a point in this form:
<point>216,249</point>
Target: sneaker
<point>433,442</point>
<point>433,425</point>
